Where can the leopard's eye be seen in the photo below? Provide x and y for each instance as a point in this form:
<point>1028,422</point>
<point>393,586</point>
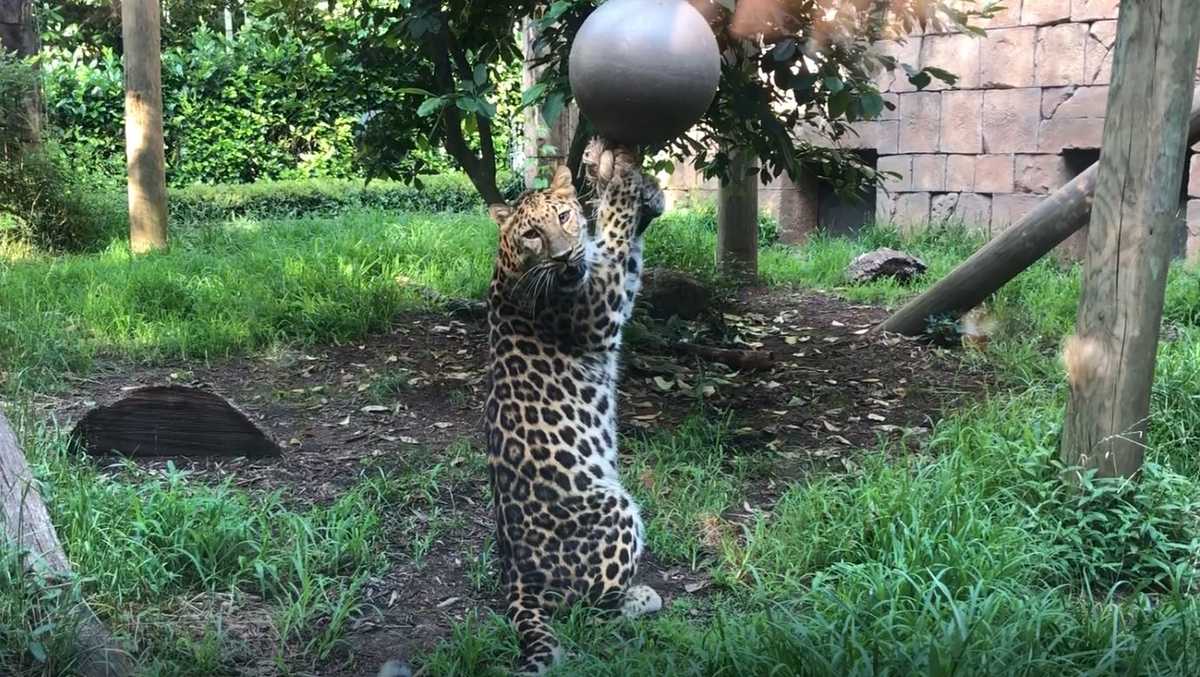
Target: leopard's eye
<point>530,234</point>
<point>563,217</point>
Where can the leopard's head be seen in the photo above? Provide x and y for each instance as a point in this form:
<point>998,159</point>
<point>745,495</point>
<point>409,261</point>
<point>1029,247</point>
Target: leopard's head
<point>541,251</point>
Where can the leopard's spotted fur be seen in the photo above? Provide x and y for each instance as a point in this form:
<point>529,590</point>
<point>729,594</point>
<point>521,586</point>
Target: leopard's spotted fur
<point>566,528</point>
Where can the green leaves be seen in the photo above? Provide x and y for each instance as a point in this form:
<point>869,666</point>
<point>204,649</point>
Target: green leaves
<point>431,105</point>
<point>553,107</point>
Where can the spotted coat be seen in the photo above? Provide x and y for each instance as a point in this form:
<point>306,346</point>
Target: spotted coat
<point>567,530</point>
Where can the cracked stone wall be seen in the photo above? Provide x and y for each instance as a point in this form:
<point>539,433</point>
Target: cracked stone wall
<point>1026,115</point>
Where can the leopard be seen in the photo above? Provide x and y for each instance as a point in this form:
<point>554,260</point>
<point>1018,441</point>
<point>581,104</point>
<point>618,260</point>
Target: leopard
<point>563,288</point>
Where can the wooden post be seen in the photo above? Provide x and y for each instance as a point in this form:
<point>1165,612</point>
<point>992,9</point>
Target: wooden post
<point>1111,359</point>
<point>18,34</point>
<point>737,196</point>
<point>25,524</point>
<point>737,219</point>
<point>144,126</point>
<point>999,261</point>
<point>547,142</point>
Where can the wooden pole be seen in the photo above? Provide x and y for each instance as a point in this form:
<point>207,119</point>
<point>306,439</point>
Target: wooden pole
<point>26,525</point>
<point>144,125</point>
<point>999,261</point>
<point>737,219</point>
<point>1111,358</point>
<point>737,196</point>
<point>19,34</point>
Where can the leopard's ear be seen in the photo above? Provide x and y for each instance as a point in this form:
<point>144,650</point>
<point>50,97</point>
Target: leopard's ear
<point>500,213</point>
<point>562,185</point>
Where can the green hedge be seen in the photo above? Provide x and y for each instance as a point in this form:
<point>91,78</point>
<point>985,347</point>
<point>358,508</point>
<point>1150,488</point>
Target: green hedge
<point>239,110</point>
<point>285,199</point>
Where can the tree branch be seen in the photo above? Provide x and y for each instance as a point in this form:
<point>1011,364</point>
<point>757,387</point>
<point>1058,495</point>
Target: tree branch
<point>482,173</point>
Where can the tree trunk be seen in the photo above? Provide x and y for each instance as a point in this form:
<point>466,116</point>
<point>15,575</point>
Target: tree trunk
<point>26,524</point>
<point>1010,253</point>
<point>737,198</point>
<point>1111,359</point>
<point>140,33</point>
<point>548,143</point>
<point>737,219</point>
<point>19,34</point>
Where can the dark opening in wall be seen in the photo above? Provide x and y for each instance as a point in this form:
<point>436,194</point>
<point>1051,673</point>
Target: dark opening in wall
<point>846,216</point>
<point>1079,160</point>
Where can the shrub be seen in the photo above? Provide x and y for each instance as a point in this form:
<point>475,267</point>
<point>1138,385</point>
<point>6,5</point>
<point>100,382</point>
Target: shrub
<point>232,111</point>
<point>41,200</point>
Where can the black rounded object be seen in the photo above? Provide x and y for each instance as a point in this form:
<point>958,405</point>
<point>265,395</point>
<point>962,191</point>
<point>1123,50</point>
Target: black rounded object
<point>644,71</point>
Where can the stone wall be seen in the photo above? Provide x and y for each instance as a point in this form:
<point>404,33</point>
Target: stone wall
<point>1026,116</point>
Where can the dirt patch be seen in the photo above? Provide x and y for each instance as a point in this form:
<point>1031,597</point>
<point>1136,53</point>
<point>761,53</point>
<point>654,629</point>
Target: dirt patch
<point>832,391</point>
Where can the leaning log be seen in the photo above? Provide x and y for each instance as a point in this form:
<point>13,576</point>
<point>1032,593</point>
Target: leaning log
<point>26,525</point>
<point>987,270</point>
<point>172,421</point>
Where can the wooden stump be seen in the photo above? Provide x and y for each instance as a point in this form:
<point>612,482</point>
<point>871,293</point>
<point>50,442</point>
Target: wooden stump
<point>172,421</point>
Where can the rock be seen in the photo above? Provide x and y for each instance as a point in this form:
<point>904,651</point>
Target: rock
<point>668,293</point>
<point>884,262</point>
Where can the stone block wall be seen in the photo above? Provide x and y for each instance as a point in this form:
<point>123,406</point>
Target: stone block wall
<point>986,150</point>
<point>1025,116</point>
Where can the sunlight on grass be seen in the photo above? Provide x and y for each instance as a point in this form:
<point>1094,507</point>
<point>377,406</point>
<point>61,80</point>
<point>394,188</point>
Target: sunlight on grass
<point>968,557</point>
<point>233,288</point>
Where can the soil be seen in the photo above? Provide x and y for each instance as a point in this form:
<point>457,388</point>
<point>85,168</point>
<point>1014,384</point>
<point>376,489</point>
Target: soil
<point>833,391</point>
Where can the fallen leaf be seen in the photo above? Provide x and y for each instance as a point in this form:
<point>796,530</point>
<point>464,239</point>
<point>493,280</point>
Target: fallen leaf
<point>375,409</point>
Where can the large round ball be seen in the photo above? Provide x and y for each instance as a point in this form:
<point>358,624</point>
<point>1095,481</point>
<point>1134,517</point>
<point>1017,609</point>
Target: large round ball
<point>644,71</point>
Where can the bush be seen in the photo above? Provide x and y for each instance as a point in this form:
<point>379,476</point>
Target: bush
<point>232,111</point>
<point>41,201</point>
<point>324,197</point>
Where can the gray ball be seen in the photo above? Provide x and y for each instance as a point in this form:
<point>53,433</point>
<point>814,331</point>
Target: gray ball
<point>644,71</point>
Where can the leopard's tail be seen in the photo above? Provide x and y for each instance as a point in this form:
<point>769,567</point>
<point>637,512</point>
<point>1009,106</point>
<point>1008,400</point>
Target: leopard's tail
<point>539,647</point>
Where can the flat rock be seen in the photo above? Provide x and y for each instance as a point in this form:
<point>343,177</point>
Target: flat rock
<point>669,293</point>
<point>885,262</point>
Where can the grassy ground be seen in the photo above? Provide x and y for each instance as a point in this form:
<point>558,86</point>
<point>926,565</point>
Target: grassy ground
<point>968,559</point>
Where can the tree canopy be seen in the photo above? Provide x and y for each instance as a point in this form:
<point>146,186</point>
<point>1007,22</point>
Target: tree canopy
<point>427,71</point>
<point>423,76</point>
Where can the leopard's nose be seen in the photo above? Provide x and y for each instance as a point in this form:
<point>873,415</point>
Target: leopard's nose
<point>563,256</point>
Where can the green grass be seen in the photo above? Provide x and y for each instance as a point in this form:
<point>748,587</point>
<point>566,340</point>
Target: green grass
<point>972,559</point>
<point>147,546</point>
<point>969,558</point>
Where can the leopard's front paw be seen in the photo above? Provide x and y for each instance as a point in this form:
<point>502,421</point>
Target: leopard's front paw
<point>604,161</point>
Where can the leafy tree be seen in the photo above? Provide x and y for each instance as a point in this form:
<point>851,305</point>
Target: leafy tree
<point>424,74</point>
<point>91,26</point>
<point>814,72</point>
<point>427,72</point>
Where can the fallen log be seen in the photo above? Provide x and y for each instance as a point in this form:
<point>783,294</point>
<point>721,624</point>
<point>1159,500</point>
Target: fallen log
<point>738,359</point>
<point>999,261</point>
<point>27,526</point>
<point>172,421</point>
